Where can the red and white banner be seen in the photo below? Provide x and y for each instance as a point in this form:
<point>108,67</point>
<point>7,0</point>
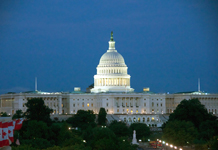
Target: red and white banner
<point>11,126</point>
<point>7,131</point>
<point>4,138</point>
<point>18,124</point>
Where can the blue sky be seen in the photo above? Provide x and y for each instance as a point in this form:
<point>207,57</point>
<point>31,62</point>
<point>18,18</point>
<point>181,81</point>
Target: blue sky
<point>167,45</point>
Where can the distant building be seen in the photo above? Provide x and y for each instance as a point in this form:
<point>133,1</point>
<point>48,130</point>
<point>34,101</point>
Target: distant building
<point>112,91</point>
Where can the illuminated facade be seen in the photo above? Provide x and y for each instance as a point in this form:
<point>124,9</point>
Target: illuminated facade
<point>113,92</point>
<point>112,72</point>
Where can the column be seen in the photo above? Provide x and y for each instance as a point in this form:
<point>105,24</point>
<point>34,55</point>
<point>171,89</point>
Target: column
<point>101,82</point>
<point>60,104</point>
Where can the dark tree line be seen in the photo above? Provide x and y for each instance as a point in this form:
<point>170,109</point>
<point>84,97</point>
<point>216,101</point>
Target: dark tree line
<point>189,124</point>
<point>81,131</point>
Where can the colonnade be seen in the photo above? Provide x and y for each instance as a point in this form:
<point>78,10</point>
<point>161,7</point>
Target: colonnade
<point>127,101</point>
<point>112,82</point>
<point>112,71</point>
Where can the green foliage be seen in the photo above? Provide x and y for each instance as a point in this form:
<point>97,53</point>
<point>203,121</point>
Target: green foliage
<point>18,114</point>
<point>119,128</point>
<point>36,110</point>
<point>191,110</point>
<point>35,129</point>
<point>38,143</point>
<point>124,144</point>
<point>37,134</point>
<point>82,119</point>
<point>104,139</point>
<point>4,114</point>
<point>67,138</point>
<point>208,129</point>
<point>72,147</point>
<point>55,128</point>
<point>214,143</point>
<point>142,130</point>
<point>180,133</point>
<point>102,116</point>
<point>23,147</point>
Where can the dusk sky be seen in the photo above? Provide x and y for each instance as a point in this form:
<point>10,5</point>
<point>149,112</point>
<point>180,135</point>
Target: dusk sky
<point>167,45</point>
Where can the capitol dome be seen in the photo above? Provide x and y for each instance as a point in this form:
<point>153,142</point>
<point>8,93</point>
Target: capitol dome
<point>111,59</point>
<point>111,72</point>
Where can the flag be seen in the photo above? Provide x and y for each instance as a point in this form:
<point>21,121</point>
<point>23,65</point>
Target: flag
<point>18,124</point>
<point>11,126</point>
<point>4,138</point>
<point>1,134</point>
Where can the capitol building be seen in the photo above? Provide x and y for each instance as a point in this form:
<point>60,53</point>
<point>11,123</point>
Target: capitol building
<point>111,90</point>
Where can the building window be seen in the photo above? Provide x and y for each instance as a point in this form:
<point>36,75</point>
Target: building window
<point>92,104</point>
<point>87,104</point>
<point>143,119</point>
<point>117,110</point>
<point>152,104</point>
<point>83,104</point>
<point>127,110</point>
<point>161,105</point>
<point>107,110</point>
<point>157,110</point>
<point>107,104</point>
<point>62,105</point>
<point>157,104</point>
<point>73,111</point>
<point>137,111</point>
<point>124,119</point>
<point>73,105</point>
<point>131,111</point>
<point>152,110</point>
<point>138,119</point>
<point>144,104</point>
<point>148,119</point>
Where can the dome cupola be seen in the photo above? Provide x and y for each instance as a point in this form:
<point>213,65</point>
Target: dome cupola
<point>111,72</point>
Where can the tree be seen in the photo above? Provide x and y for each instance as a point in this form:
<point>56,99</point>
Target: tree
<point>35,129</point>
<point>102,116</point>
<point>36,110</point>
<point>208,130</point>
<point>142,130</point>
<point>191,110</point>
<point>4,114</point>
<point>82,119</point>
<point>67,138</point>
<point>119,128</point>
<point>18,114</point>
<point>37,134</point>
<point>104,139</point>
<point>180,133</point>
